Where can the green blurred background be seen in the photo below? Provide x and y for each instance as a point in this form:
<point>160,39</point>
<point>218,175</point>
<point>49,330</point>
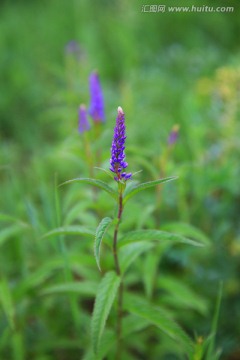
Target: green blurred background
<point>163,69</point>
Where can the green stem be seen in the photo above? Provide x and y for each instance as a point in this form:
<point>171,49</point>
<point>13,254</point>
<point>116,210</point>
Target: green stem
<point>97,128</point>
<point>162,173</point>
<point>118,271</point>
<point>88,152</point>
<point>18,348</point>
<point>68,276</point>
<point>90,161</point>
<point>115,254</point>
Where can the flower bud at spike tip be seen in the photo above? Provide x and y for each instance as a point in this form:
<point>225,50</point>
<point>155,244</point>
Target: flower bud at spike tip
<point>96,108</point>
<point>117,161</point>
<point>83,123</point>
<point>173,136</point>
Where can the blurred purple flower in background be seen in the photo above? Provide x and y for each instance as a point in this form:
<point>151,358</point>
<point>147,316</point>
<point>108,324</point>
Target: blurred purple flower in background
<point>72,47</point>
<point>96,109</point>
<point>83,123</point>
<point>173,136</point>
<point>117,161</point>
<point>74,50</point>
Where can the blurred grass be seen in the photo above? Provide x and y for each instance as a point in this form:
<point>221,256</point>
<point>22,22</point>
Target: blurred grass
<point>162,69</point>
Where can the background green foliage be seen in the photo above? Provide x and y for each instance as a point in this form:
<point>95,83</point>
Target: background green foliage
<point>162,69</point>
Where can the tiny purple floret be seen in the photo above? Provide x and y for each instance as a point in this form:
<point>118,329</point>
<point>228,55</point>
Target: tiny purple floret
<point>117,161</point>
<point>83,123</point>
<point>96,108</point>
<point>173,136</point>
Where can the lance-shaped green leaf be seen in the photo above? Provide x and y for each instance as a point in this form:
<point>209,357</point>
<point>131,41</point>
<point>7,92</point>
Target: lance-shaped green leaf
<point>130,325</point>
<point>10,231</point>
<point>106,293</point>
<point>108,342</point>
<point>6,302</point>
<point>9,218</point>
<point>155,235</point>
<point>101,229</point>
<point>210,350</point>
<point>37,278</point>
<point>144,186</point>
<point>88,288</point>
<point>187,230</point>
<point>160,318</point>
<point>129,253</point>
<point>98,183</point>
<point>69,230</point>
<point>180,295</point>
<point>150,270</point>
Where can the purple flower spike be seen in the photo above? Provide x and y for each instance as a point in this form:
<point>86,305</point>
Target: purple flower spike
<point>117,161</point>
<point>96,109</point>
<point>83,123</point>
<point>173,136</point>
